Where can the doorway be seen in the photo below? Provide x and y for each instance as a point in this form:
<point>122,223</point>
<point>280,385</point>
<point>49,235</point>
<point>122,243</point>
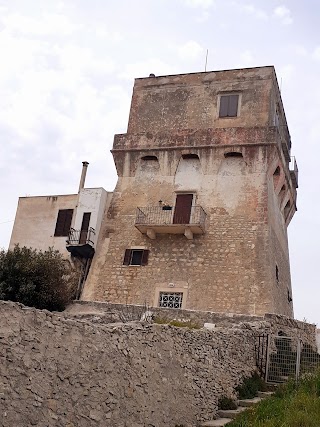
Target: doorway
<point>182,211</point>
<point>84,228</point>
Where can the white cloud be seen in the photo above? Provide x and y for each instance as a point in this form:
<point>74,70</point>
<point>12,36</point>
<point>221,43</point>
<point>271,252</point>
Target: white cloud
<point>316,53</point>
<point>144,68</point>
<point>285,75</point>
<point>300,50</point>
<point>203,17</point>
<point>204,4</point>
<point>247,58</point>
<point>190,51</point>
<point>284,14</point>
<point>114,36</point>
<point>47,24</point>
<point>255,11</point>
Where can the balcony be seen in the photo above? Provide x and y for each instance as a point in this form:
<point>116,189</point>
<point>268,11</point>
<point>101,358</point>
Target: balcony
<point>80,243</point>
<point>155,220</point>
<point>293,167</point>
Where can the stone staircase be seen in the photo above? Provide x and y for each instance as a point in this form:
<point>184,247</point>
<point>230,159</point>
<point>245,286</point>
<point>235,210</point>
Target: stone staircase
<point>226,416</point>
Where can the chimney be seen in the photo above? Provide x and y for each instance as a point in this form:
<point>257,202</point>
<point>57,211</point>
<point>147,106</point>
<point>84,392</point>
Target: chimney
<point>83,175</point>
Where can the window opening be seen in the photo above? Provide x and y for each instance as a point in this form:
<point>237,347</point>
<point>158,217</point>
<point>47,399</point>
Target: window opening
<point>136,257</point>
<point>154,158</point>
<point>277,171</point>
<point>63,223</point>
<point>228,105</point>
<point>233,154</point>
<point>190,156</point>
<point>170,299</point>
<point>277,274</point>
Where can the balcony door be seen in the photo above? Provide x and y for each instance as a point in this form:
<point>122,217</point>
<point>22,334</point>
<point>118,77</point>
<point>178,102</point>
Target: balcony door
<point>182,209</point>
<point>84,228</point>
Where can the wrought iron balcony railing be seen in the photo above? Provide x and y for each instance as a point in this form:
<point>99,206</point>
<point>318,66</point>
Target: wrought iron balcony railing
<point>81,237</point>
<point>154,220</point>
<point>80,243</point>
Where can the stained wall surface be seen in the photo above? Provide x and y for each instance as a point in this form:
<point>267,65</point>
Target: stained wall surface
<point>238,172</point>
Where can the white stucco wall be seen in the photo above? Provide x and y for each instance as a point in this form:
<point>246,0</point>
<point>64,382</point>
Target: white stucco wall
<point>35,222</point>
<point>91,200</point>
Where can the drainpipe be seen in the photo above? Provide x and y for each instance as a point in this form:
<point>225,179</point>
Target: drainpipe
<point>83,175</point>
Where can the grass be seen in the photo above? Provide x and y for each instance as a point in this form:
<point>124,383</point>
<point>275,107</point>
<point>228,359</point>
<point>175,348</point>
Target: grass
<point>293,405</point>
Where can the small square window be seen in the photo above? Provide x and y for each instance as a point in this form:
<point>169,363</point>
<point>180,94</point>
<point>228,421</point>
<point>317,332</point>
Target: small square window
<point>170,299</point>
<point>136,257</point>
<point>229,105</point>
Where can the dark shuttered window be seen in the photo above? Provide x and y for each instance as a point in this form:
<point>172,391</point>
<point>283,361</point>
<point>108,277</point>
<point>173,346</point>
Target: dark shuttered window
<point>136,257</point>
<point>228,105</point>
<point>63,222</point>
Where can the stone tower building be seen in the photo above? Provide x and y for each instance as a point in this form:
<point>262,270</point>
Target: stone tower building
<point>205,193</point>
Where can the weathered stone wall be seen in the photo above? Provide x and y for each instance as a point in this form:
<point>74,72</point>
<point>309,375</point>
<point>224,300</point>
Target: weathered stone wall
<point>190,101</point>
<point>57,371</point>
<point>60,372</point>
<point>101,312</point>
<point>231,266</point>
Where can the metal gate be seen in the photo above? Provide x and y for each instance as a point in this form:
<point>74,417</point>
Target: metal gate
<point>288,357</point>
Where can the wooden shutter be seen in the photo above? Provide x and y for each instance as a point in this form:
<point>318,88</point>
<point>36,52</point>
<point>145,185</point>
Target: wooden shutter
<point>145,257</point>
<point>127,257</point>
<point>182,209</point>
<point>224,101</point>
<point>63,223</point>
<point>233,105</point>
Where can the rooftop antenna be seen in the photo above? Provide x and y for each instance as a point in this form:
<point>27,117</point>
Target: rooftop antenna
<point>205,67</point>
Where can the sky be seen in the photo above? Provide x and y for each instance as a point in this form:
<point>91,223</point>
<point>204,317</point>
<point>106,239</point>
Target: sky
<point>66,77</point>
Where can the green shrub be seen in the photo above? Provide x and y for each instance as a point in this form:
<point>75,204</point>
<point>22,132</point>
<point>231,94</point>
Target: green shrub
<point>250,386</point>
<point>226,403</point>
<point>38,279</point>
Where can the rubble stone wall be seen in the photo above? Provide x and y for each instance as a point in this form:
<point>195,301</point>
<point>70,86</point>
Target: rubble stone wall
<point>60,371</point>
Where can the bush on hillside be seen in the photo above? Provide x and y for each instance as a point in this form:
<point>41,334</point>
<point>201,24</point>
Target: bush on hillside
<point>44,280</point>
<point>250,386</point>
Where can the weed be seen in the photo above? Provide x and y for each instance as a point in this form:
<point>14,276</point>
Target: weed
<point>250,386</point>
<point>226,403</point>
<point>293,405</point>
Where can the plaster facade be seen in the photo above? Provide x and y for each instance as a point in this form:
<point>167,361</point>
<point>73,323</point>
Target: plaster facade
<point>232,254</point>
<point>35,222</point>
<point>36,218</point>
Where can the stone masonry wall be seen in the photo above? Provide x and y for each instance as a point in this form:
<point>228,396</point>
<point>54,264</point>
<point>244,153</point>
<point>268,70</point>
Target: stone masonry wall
<point>56,371</point>
<point>61,372</point>
<point>102,312</point>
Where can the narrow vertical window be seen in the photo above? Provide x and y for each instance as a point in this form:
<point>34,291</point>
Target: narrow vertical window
<point>63,223</point>
<point>229,105</point>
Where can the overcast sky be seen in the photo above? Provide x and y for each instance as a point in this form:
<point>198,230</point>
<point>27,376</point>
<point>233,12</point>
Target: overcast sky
<point>66,77</point>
